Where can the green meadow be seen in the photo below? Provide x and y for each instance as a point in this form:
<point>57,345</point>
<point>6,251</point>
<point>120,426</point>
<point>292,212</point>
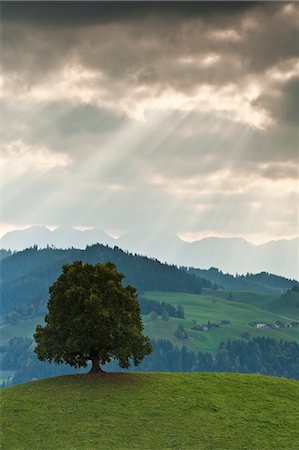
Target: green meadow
<point>245,307</point>
<point>152,411</point>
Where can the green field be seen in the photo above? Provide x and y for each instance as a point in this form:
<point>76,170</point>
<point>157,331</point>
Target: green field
<point>214,306</point>
<point>152,411</point>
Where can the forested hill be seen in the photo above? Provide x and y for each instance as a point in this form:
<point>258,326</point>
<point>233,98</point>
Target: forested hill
<point>4,253</point>
<point>27,275</point>
<point>260,282</point>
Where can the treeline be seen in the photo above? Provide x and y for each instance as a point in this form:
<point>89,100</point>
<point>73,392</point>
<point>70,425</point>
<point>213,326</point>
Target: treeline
<point>5,253</point>
<point>27,275</point>
<point>260,282</point>
<point>258,355</point>
<point>23,312</point>
<point>147,306</point>
<point>18,355</point>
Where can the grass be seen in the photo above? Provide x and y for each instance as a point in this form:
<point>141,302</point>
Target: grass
<point>152,411</point>
<point>214,306</point>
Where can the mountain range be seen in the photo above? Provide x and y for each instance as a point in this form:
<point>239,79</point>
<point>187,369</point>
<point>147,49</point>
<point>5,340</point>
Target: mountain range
<point>232,255</point>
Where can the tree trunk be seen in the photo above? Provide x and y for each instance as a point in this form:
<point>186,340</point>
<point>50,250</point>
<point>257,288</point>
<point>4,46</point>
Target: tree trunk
<point>95,365</point>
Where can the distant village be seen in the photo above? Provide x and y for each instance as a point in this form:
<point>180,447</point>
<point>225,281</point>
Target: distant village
<point>207,326</point>
<point>277,324</point>
<point>261,325</point>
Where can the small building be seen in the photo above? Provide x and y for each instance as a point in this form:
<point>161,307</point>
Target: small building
<point>261,325</point>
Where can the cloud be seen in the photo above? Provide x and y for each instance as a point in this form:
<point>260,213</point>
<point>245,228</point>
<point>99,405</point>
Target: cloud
<point>184,112</point>
<point>66,14</point>
<point>19,159</point>
<point>284,101</point>
<point>131,62</point>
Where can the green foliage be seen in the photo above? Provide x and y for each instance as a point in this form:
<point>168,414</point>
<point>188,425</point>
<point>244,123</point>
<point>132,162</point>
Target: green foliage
<point>260,282</point>
<point>148,305</point>
<point>153,315</point>
<point>165,315</point>
<point>92,317</point>
<point>286,303</point>
<point>230,296</point>
<point>152,411</point>
<point>4,253</point>
<point>245,308</point>
<point>258,355</point>
<point>180,332</point>
<point>27,275</point>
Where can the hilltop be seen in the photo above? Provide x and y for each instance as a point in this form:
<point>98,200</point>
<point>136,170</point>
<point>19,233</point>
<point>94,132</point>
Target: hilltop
<point>233,254</point>
<point>259,282</point>
<point>152,411</point>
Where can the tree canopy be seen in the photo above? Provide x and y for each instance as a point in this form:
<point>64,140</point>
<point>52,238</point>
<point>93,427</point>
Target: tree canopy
<point>92,317</point>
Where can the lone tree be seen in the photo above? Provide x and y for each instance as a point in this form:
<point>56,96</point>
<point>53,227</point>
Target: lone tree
<point>92,317</point>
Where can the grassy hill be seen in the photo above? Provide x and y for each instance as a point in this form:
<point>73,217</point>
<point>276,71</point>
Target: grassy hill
<point>152,411</point>
<point>212,305</point>
<point>259,282</point>
<point>245,307</point>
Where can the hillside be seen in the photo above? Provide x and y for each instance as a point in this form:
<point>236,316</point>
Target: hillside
<point>233,255</point>
<point>152,411</point>
<point>210,320</point>
<point>213,306</point>
<point>27,275</point>
<point>243,311</point>
<point>259,282</point>
<point>211,316</point>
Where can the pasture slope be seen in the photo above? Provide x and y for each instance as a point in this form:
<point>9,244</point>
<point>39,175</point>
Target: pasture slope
<point>245,307</point>
<point>152,411</point>
<point>211,306</point>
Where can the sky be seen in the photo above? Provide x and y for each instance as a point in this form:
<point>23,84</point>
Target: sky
<point>179,117</point>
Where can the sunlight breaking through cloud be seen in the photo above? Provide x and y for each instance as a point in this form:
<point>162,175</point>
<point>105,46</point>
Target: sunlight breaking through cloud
<point>186,123</point>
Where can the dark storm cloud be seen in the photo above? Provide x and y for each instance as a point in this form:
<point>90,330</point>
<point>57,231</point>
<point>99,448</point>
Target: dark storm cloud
<point>79,123</point>
<point>65,14</point>
<point>275,38</point>
<point>142,106</point>
<point>143,41</point>
<point>61,126</point>
<point>285,102</point>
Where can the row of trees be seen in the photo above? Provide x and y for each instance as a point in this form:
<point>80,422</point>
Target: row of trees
<point>149,305</point>
<point>261,282</point>
<point>23,312</point>
<point>258,355</point>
